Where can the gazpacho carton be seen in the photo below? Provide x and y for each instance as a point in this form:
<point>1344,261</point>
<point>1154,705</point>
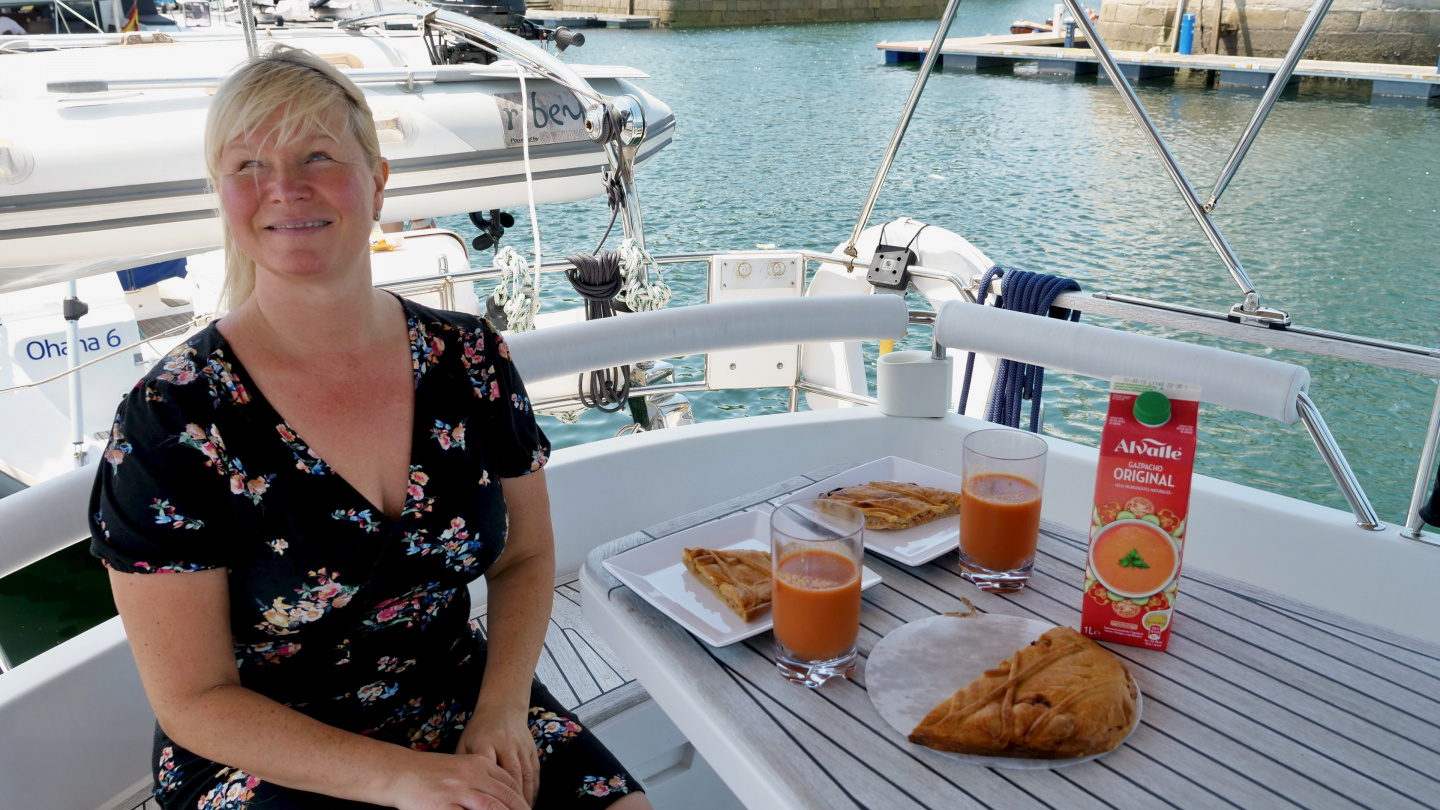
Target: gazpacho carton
<point>1137,524</point>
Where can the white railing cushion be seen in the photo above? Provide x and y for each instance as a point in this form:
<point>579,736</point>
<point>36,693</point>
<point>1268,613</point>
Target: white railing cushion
<point>1228,379</point>
<point>573,348</point>
<point>41,520</point>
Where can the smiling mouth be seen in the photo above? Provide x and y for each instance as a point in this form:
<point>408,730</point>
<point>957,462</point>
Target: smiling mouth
<point>299,226</point>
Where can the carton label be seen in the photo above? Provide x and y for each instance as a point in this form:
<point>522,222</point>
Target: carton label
<point>1138,517</point>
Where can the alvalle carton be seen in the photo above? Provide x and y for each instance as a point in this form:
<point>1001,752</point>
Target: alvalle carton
<point>1137,525</point>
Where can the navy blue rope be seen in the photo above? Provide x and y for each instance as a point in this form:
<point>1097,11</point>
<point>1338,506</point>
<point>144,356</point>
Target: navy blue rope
<point>1033,294</point>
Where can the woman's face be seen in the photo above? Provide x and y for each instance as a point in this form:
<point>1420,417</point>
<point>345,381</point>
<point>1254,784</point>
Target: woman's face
<point>302,207</point>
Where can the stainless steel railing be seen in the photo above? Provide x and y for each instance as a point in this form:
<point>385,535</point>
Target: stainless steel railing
<point>1371,351</point>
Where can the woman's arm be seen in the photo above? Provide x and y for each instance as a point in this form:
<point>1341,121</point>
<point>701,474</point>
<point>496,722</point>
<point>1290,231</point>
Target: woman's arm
<point>179,629</point>
<point>521,587</point>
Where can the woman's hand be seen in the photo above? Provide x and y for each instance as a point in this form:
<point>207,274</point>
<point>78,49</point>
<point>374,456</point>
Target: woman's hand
<point>450,781</point>
<point>504,738</point>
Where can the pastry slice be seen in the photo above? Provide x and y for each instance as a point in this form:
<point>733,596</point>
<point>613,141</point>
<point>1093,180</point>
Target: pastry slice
<point>1061,697</point>
<point>898,505</point>
<point>740,577</point>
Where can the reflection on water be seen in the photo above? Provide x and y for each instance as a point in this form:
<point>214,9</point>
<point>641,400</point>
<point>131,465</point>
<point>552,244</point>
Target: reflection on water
<point>1334,214</point>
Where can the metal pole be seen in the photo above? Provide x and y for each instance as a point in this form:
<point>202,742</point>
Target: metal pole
<point>1365,516</point>
<point>1277,85</point>
<point>247,26</point>
<point>925,67</point>
<point>1414,526</point>
<point>1177,175</point>
<point>73,310</point>
<point>1175,26</point>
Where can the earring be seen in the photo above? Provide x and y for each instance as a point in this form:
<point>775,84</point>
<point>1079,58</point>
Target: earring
<point>377,216</point>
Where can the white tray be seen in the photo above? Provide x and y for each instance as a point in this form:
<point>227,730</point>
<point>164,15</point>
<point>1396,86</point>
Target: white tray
<point>916,545</point>
<point>655,572</point>
<point>924,662</point>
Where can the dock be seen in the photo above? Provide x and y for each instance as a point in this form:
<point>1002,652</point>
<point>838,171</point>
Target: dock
<point>991,52</point>
<point>576,19</point>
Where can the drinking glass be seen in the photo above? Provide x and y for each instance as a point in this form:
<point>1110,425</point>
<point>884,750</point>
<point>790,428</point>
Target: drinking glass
<point>1004,472</point>
<point>817,547</point>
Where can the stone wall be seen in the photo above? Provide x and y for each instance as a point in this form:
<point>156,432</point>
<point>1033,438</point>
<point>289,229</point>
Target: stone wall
<point>1403,32</point>
<point>756,12</point>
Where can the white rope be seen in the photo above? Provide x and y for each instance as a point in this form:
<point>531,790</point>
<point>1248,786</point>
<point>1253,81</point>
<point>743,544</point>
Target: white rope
<point>515,292</point>
<point>534,286</point>
<point>635,290</point>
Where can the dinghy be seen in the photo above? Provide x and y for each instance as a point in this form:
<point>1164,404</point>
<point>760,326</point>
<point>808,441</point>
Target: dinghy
<point>103,140</point>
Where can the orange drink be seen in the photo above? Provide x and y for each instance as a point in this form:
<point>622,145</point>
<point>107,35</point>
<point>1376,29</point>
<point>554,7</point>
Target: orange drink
<point>816,548</point>
<point>1003,472</point>
<point>816,604</point>
<point>1000,514</point>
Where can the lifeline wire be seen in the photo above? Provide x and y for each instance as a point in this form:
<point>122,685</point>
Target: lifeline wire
<point>597,279</point>
<point>1033,294</point>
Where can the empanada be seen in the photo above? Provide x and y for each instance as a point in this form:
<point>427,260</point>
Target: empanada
<point>740,577</point>
<point>1063,696</point>
<point>897,505</point>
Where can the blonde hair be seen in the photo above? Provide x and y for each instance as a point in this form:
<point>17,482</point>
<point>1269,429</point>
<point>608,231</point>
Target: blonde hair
<point>310,92</point>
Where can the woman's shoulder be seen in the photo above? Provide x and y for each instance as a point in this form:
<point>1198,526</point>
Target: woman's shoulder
<point>446,319</point>
<point>199,374</point>
<point>432,331</point>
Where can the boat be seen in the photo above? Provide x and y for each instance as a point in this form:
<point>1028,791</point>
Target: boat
<point>1343,575</point>
<point>1032,27</point>
<point>139,196</point>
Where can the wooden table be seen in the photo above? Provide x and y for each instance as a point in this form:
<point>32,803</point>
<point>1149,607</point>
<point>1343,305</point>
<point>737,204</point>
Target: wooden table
<point>1261,701</point>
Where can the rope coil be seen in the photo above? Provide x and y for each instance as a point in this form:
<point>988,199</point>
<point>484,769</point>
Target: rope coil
<point>598,279</point>
<point>512,305</point>
<point>637,294</point>
<point>1033,294</point>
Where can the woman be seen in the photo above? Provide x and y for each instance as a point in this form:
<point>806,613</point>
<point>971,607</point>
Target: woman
<point>323,471</point>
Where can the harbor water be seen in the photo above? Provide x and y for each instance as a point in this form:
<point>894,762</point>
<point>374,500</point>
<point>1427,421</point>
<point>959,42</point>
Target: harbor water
<point>1335,214</point>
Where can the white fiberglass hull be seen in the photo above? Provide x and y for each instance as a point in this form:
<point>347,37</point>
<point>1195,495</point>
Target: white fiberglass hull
<point>96,176</point>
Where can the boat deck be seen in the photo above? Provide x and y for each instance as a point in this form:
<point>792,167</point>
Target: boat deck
<point>1412,81</point>
<point>1261,700</point>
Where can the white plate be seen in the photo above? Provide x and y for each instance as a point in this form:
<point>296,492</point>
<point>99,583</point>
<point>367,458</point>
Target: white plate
<point>924,662</point>
<point>916,545</point>
<point>655,572</point>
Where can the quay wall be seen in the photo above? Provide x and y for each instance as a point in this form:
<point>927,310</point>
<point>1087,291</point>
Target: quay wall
<point>1405,32</point>
<point>695,13</point>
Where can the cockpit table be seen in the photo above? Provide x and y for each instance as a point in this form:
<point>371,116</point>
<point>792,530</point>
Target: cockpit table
<point>1261,700</point>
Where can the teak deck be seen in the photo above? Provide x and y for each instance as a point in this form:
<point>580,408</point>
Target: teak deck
<point>1261,701</point>
<point>1251,71</point>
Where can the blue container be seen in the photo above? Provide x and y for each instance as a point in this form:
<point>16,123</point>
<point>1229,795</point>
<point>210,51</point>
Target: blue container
<point>1187,33</point>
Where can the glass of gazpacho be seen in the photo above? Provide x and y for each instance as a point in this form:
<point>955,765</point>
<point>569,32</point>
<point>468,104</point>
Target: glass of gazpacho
<point>817,548</point>
<point>1003,473</point>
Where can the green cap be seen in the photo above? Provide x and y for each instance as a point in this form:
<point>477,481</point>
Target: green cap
<point>1152,409</point>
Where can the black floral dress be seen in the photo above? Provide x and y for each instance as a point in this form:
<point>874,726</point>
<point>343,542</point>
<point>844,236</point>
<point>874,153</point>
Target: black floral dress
<point>337,611</point>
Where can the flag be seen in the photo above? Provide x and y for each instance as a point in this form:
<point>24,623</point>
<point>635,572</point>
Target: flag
<point>132,22</point>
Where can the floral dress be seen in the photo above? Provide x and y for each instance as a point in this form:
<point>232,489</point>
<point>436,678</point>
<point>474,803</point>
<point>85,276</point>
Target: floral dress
<point>336,610</point>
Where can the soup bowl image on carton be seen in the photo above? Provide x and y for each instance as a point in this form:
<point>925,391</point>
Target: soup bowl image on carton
<point>1133,558</point>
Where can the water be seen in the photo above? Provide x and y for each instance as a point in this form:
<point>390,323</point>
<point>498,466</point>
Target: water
<point>780,130</point>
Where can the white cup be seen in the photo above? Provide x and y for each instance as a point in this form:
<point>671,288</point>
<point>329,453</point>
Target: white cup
<point>914,384</point>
